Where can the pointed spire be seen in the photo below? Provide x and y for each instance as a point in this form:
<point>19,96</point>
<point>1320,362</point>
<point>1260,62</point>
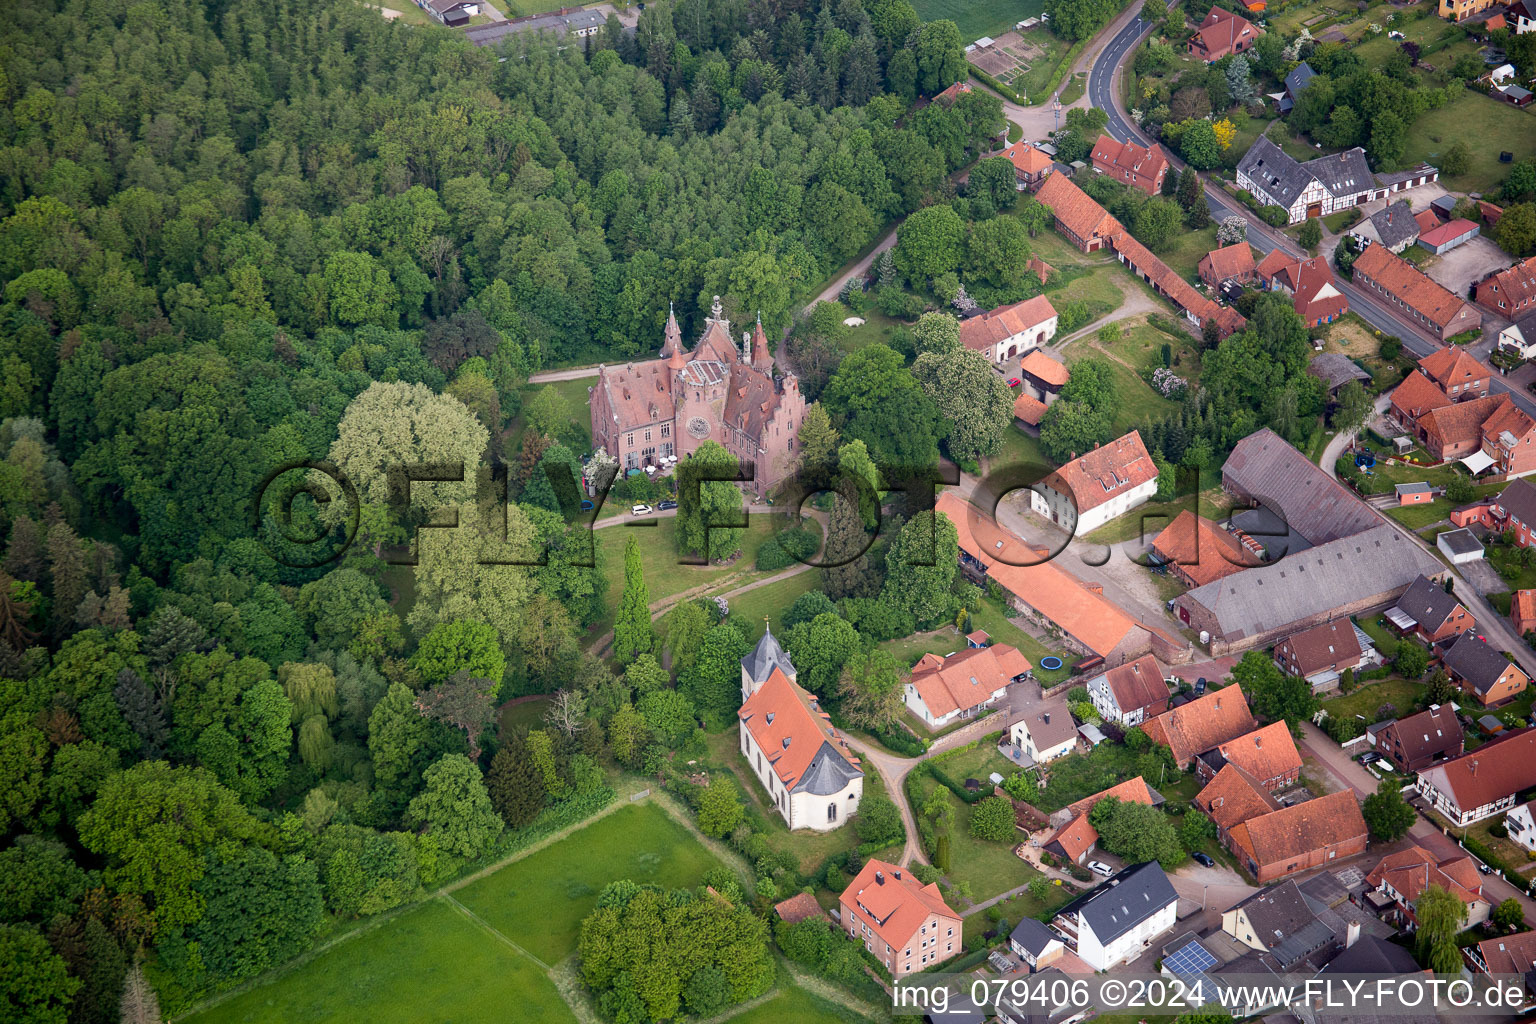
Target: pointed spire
<point>672,339</point>
<point>761,357</point>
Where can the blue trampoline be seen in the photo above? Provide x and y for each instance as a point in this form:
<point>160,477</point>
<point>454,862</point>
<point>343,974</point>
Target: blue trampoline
<point>1366,460</point>
<point>1050,663</point>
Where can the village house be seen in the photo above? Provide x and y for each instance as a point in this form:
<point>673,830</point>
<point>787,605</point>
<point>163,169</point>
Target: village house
<point>1030,166</point>
<point>566,21</point>
<point>1404,876</point>
<point>1197,551</point>
<point>649,414</point>
<point>1449,408</point>
<point>1521,823</point>
<point>802,906</point>
<point>1321,655</point>
<point>1519,338</point>
<point>1035,586</point>
<point>1280,922</point>
<point>1403,284</point>
<point>1483,672</point>
<point>1074,836</point>
<point>1045,733</point>
<point>1295,84</point>
<point>1229,263</point>
<point>1222,33</point>
<point>812,777</point>
<point>1137,166</point>
<point>1119,920</point>
<point>1460,10</point>
<point>1098,486</point>
<point>1042,376</point>
<point>1268,754</point>
<point>944,689</point>
<point>1393,228</point>
<point>1522,611</point>
<point>1508,954</point>
<point>1482,782</point>
<point>904,923</point>
<point>1004,332</point>
<point>1451,375</point>
<point>1513,509</point>
<point>1315,295</point>
<point>1083,221</point>
<point>1308,835</point>
<point>1336,370</point>
<point>1519,16</point>
<point>1231,797</point>
<point>1322,185</point>
<point>1509,292</point>
<point>1418,741</point>
<point>453,13</point>
<point>1128,693</point>
<point>1202,724</point>
<point>1428,612</point>
<point>1035,944</point>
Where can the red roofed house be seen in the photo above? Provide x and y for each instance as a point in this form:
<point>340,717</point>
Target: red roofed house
<point>1203,724</point>
<point>1457,373</point>
<point>1508,954</point>
<point>1320,655</point>
<point>725,390</point>
<point>1514,508</point>
<point>1075,836</point>
<point>1418,741</point>
<point>1028,410</point>
<point>1447,405</point>
<point>1096,487</point>
<point>1127,694</point>
<point>904,923</point>
<point>944,689</point>
<point>800,907</point>
<point>1509,292</point>
<point>1030,166</point>
<point>1004,332</point>
<point>1042,376</point>
<point>1197,551</point>
<point>1401,283</point>
<point>1448,236</point>
<point>1268,754</point>
<point>1130,164</point>
<point>1405,875</point>
<point>1229,263</point>
<point>1233,796</point>
<point>1315,295</point>
<point>1522,611</point>
<point>812,777</point>
<point>1085,223</point>
<point>1482,782</point>
<point>953,93</point>
<point>1221,33</point>
<point>1311,834</point>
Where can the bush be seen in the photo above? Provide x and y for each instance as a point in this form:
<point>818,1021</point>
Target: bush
<point>894,302</point>
<point>787,547</point>
<point>1275,216</point>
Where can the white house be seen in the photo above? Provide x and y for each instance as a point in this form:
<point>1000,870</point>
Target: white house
<point>1481,782</point>
<point>1519,337</point>
<point>1091,490</point>
<point>945,689</point>
<point>1128,693</point>
<point>1521,823</point>
<point>810,774</point>
<point>1005,332</point>
<point>1119,920</point>
<point>1045,733</point>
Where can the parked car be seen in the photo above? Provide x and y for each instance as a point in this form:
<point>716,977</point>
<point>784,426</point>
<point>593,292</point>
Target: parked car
<point>1014,382</point>
<point>1100,868</point>
<point>1199,686</point>
<point>1367,757</point>
<point>664,505</point>
<point>640,510</point>
<point>1203,858</point>
<point>1484,868</point>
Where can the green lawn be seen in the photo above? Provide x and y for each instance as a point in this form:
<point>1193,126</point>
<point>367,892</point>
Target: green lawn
<point>1074,89</point>
<point>774,599</point>
<point>1045,71</point>
<point>577,433</point>
<point>1078,775</point>
<point>528,713</point>
<point>977,762</point>
<point>992,618</point>
<point>990,868</point>
<point>430,963</point>
<point>1019,449</point>
<point>976,20</point>
<point>1016,909</point>
<point>539,901</point>
<point>1398,692</point>
<point>1487,126</point>
<point>877,327</point>
<point>794,1005</point>
<point>1095,285</point>
<point>1188,248</point>
<point>1141,345</point>
<point>1152,518</point>
<point>1136,402</point>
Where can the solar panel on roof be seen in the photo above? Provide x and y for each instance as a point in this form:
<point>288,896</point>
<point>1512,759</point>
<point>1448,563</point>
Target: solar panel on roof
<point>1191,958</point>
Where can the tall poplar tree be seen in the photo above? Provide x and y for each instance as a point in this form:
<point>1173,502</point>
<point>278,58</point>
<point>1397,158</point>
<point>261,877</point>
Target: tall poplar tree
<point>632,634</point>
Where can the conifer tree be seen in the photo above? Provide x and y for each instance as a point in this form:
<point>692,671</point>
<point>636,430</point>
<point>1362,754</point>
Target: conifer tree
<point>632,634</point>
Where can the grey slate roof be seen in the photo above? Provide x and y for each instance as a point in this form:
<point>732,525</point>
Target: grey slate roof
<point>760,663</point>
<point>1335,369</point>
<point>1395,225</point>
<point>1459,542</point>
<point>1263,466</point>
<point>1377,562</point>
<point>1473,660</point>
<point>1299,79</point>
<point>1124,901</point>
<point>1427,603</point>
<point>1372,955</point>
<point>829,772</point>
<point>1285,923</point>
<point>1414,488</point>
<point>1285,178</point>
<point>1519,500</point>
<point>1033,936</point>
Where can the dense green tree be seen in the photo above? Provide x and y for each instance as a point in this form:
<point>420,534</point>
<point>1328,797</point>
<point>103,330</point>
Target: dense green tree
<point>920,566</point>
<point>1440,915</point>
<point>35,984</point>
<point>515,788</point>
<point>1509,914</point>
<point>871,689</point>
<point>970,393</point>
<point>930,242</point>
<point>1386,813</point>
<point>713,682</point>
<point>633,634</point>
<point>993,819</point>
<point>261,911</point>
<point>669,715</point>
<point>454,807</point>
<point>711,514</point>
<point>878,821</point>
<point>1136,832</point>
<point>819,649</point>
<point>1273,693</point>
<point>719,809</point>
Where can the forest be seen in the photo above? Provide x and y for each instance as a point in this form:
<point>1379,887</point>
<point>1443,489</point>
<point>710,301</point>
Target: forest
<point>250,236</point>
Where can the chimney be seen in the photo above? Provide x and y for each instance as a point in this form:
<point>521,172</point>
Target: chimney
<point>1351,934</point>
<point>879,877</point>
<point>897,874</point>
<point>1474,769</point>
<point>1218,703</point>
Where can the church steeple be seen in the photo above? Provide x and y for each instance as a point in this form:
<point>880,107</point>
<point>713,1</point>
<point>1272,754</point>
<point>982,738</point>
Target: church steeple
<point>672,339</point>
<point>761,357</point>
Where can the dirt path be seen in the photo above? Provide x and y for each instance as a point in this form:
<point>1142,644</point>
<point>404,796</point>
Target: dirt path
<point>1137,303</point>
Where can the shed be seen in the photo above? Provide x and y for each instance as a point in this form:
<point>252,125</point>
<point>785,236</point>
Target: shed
<point>1444,205</point>
<point>1415,493</point>
<point>1090,734</point>
<point>1449,235</point>
<point>1335,370</point>
<point>1459,546</point>
<point>1515,95</point>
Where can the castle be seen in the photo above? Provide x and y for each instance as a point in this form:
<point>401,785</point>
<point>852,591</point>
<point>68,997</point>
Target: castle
<point>656,412</point>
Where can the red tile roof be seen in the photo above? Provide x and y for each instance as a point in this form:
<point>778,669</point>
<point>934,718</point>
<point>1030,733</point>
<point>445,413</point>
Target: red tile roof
<point>1201,550</point>
<point>1078,835</point>
<point>1446,232</point>
<point>1322,646</point>
<point>966,679</point>
<point>1106,472</point>
<point>1512,286</point>
<point>1415,869</point>
<point>1128,158</point>
<point>1234,796</point>
<point>1522,606</point>
<point>1294,832</point>
<point>1453,365</point>
<point>1221,30</point>
<point>1202,724</point>
<point>1401,279</point>
<point>1488,774</point>
<point>1027,158</point>
<point>897,904</point>
<point>1267,753</point>
<point>797,731</point>
<point>1044,369</point>
<point>1460,423</point>
<point>1417,395</point>
<point>982,332</point>
<point>1138,684</point>
<point>1029,409</point>
<point>1511,954</point>
<point>798,908</point>
<point>1075,209</point>
<point>1235,260</point>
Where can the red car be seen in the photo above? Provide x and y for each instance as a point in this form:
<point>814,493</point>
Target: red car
<point>1014,382</point>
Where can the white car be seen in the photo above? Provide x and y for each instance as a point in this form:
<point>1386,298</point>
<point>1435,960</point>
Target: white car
<point>1099,867</point>
<point>640,510</point>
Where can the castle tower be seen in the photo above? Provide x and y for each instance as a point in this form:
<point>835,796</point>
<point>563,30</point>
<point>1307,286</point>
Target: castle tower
<point>672,339</point>
<point>761,358</point>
